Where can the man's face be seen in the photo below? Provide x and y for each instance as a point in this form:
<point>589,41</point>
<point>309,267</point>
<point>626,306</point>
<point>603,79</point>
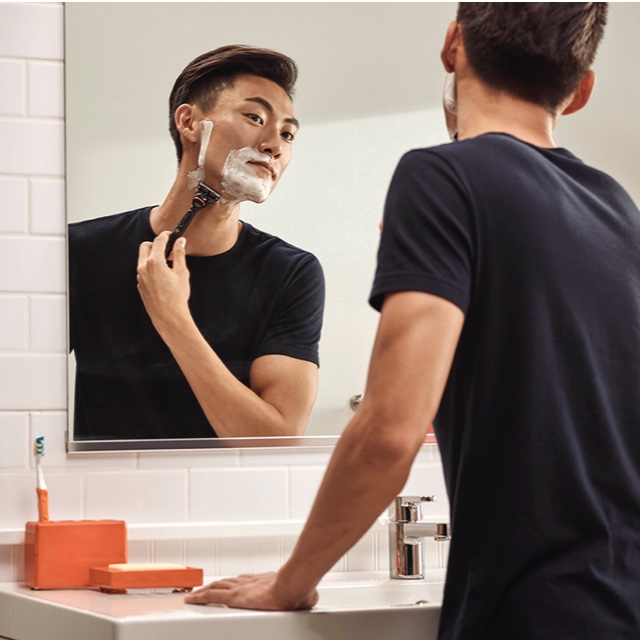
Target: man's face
<point>251,140</point>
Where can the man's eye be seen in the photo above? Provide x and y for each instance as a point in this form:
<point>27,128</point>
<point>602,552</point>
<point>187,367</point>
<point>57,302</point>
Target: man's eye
<point>287,135</point>
<point>255,118</point>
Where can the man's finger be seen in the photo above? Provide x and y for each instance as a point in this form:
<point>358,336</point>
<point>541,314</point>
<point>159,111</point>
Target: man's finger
<point>144,250</point>
<point>160,242</point>
<point>178,255</point>
<point>219,584</point>
<point>208,596</point>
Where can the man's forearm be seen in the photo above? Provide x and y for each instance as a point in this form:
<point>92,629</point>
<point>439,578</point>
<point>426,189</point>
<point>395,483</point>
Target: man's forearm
<point>365,474</point>
<point>410,364</point>
<point>233,409</point>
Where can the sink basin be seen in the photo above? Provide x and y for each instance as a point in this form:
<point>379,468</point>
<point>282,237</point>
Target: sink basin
<point>351,607</point>
<point>372,591</point>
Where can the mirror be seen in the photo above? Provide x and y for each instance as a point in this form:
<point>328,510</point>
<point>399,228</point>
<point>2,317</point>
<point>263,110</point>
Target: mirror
<point>369,89</point>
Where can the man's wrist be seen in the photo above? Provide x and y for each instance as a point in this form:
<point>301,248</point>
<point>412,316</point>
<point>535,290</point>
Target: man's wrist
<point>290,591</point>
<point>177,323</point>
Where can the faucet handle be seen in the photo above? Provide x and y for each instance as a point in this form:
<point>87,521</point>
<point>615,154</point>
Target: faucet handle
<point>408,500</point>
<point>407,508</point>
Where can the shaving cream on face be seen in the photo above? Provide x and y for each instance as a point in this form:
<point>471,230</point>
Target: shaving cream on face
<point>450,102</point>
<point>240,180</point>
<point>449,94</point>
<point>197,176</point>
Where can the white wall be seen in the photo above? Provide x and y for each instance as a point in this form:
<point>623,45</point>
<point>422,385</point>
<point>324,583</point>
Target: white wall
<point>257,487</point>
<point>330,202</point>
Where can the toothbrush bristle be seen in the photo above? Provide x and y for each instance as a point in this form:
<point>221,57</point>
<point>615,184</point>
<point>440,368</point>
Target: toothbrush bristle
<point>38,446</point>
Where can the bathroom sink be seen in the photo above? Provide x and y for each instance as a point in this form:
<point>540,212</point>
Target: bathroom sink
<point>372,591</point>
<point>351,607</point>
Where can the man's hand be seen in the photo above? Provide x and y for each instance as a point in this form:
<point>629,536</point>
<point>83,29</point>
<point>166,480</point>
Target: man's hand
<point>262,591</point>
<point>164,291</point>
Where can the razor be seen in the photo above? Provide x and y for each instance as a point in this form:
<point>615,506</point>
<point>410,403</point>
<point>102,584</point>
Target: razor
<point>204,196</point>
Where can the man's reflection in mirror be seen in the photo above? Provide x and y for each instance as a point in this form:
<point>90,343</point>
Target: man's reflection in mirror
<point>215,334</point>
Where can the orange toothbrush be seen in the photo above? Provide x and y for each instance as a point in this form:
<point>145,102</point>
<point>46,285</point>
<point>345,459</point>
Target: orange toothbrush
<point>41,486</point>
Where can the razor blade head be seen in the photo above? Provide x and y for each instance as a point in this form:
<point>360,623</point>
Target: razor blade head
<point>205,196</point>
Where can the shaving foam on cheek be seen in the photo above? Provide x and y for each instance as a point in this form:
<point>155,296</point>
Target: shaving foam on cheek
<point>450,102</point>
<point>197,176</point>
<point>240,180</point>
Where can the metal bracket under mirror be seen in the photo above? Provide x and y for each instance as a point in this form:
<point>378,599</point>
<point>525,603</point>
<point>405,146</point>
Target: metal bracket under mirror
<point>192,444</point>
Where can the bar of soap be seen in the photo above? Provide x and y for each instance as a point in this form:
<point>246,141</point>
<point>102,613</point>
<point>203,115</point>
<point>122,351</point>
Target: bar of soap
<point>144,566</point>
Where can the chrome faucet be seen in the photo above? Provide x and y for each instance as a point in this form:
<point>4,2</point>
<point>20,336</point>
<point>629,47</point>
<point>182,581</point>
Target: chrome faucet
<point>406,534</point>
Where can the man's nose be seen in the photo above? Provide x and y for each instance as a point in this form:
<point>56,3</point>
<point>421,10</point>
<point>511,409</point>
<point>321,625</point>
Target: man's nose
<point>271,145</point>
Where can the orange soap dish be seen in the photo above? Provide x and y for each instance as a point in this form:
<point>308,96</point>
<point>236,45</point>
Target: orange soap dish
<point>119,578</point>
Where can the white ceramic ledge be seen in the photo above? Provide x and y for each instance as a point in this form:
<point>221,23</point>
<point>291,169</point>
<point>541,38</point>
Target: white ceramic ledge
<point>197,530</point>
<point>352,607</point>
<point>203,530</point>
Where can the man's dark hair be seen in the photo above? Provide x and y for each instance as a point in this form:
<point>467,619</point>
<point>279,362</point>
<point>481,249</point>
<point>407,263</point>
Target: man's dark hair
<point>537,51</point>
<point>204,78</point>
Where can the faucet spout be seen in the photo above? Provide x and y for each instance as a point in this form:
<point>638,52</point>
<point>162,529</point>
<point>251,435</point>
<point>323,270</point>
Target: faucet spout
<point>418,530</point>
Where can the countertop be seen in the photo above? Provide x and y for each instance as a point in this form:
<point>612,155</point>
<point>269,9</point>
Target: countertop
<point>366,605</point>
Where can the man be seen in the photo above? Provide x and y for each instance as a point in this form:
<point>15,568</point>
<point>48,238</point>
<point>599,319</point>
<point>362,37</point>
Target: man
<point>509,281</point>
<point>222,337</point>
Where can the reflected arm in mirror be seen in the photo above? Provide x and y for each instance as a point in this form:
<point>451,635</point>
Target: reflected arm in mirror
<point>412,357</point>
<point>283,389</point>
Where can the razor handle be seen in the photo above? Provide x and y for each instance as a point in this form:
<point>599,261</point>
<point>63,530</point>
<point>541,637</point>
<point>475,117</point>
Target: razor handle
<point>204,197</point>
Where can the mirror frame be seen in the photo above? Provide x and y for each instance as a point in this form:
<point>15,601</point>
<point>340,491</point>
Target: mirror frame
<point>196,444</point>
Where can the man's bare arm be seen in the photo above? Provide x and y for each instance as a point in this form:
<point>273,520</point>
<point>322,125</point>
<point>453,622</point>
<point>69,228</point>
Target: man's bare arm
<point>411,360</point>
<point>283,389</point>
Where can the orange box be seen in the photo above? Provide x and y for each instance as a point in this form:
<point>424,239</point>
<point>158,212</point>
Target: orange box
<point>183,578</point>
<point>59,555</point>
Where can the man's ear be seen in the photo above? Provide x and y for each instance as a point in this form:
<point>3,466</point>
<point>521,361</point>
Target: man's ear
<point>450,48</point>
<point>188,122</point>
<point>582,94</point>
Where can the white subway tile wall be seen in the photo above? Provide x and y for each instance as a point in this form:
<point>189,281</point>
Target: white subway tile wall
<point>13,311</point>
<point>13,195</point>
<point>303,485</point>
<point>136,496</point>
<point>161,488</point>
<point>47,206</point>
<point>36,145</point>
<point>45,89</point>
<point>12,83</point>
<point>238,495</point>
<point>48,323</point>
<point>31,263</point>
<point>14,453</point>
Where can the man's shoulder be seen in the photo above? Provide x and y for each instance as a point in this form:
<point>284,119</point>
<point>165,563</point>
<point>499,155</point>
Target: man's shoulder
<point>487,158</point>
<point>461,150</point>
<point>106,225</point>
<point>260,241</point>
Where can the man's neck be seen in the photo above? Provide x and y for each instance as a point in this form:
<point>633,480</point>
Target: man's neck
<point>482,110</point>
<point>213,230</point>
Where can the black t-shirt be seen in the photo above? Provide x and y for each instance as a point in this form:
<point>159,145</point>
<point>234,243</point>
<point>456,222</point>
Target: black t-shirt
<point>539,425</point>
<point>263,296</point>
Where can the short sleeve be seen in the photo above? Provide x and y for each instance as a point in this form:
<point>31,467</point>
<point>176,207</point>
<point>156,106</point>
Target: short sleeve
<point>427,240</point>
<point>294,330</point>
